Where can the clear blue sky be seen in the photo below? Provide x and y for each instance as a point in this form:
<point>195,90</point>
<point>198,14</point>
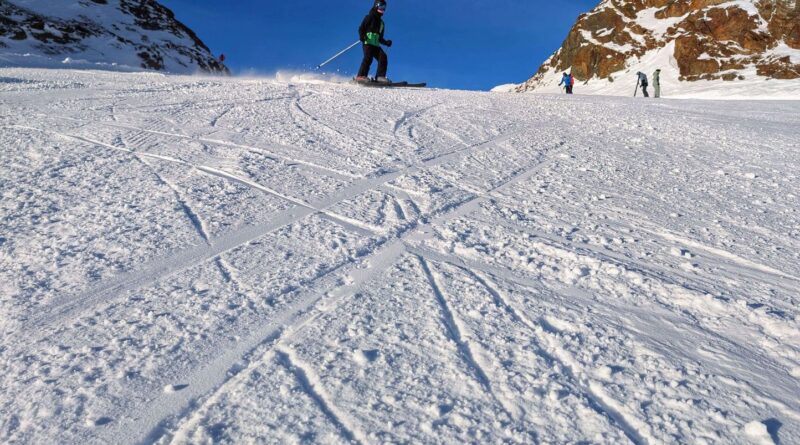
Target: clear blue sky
<point>467,44</point>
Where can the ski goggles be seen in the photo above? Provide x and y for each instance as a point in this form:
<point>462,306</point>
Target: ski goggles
<point>380,6</point>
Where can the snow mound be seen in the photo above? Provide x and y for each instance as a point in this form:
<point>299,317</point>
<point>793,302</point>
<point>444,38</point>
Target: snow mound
<point>507,88</point>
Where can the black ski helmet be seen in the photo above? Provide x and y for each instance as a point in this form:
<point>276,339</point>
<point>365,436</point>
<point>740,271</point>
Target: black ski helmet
<point>380,4</point>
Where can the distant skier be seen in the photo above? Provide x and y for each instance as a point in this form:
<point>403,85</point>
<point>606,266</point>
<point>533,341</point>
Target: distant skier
<point>657,82</point>
<point>371,35</point>
<point>643,83</point>
<point>568,81</point>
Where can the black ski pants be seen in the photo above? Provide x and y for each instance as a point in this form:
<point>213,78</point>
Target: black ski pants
<point>569,89</point>
<point>644,90</point>
<point>374,52</point>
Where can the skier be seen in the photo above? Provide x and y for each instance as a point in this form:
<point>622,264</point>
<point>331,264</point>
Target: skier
<point>657,82</point>
<point>371,35</point>
<point>643,83</point>
<point>568,81</point>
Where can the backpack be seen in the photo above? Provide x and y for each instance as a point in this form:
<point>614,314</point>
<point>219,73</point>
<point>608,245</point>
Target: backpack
<point>571,80</point>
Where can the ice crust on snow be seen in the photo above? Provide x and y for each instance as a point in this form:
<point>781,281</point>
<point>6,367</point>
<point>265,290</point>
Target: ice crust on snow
<point>287,260</point>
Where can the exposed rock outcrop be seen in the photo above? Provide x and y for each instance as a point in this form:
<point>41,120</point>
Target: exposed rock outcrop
<point>712,40</point>
<point>135,33</point>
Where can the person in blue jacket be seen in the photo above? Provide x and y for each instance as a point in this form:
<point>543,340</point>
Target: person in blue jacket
<point>643,83</point>
<point>568,81</point>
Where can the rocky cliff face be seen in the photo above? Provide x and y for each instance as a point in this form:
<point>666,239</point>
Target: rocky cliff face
<point>132,33</point>
<point>697,39</point>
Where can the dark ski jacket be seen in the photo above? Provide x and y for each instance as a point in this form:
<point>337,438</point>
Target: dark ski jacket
<point>371,30</point>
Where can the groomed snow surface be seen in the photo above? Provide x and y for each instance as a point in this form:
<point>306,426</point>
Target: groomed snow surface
<point>197,260</point>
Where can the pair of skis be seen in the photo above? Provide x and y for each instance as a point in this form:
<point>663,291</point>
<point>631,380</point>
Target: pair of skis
<point>375,84</point>
<point>371,82</point>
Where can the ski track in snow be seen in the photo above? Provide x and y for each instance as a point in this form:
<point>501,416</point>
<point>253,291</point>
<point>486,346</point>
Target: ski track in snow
<point>378,261</point>
<point>162,268</point>
<point>191,260</point>
<point>310,383</point>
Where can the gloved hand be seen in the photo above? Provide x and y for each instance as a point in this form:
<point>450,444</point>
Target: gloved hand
<point>389,43</point>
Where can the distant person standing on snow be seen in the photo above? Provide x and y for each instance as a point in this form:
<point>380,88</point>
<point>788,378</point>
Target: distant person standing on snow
<point>643,83</point>
<point>568,81</point>
<point>371,35</point>
<point>657,82</point>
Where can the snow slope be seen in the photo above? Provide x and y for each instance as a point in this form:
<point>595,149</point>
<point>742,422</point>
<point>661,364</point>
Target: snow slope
<point>192,260</point>
<point>752,87</point>
<point>710,49</point>
<point>124,35</point>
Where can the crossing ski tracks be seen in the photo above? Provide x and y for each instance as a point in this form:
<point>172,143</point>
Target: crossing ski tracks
<point>414,266</point>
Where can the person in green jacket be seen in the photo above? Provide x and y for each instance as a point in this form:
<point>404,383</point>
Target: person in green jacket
<point>371,35</point>
<point>657,82</point>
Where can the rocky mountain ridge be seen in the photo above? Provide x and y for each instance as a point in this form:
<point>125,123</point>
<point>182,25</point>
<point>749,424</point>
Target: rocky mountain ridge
<point>696,39</point>
<point>131,33</point>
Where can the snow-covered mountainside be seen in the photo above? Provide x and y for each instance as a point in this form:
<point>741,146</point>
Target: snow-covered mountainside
<point>218,260</point>
<point>708,48</point>
<point>120,34</point>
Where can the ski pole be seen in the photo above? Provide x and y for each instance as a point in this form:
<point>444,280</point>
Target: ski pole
<point>337,55</point>
<point>637,88</point>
